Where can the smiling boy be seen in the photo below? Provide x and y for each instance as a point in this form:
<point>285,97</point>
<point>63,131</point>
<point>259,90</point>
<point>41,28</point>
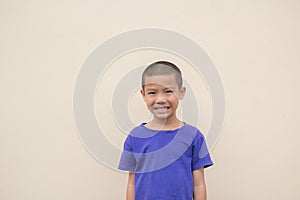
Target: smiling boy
<point>165,157</point>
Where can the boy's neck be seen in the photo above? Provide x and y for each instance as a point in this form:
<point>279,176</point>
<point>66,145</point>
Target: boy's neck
<point>164,124</point>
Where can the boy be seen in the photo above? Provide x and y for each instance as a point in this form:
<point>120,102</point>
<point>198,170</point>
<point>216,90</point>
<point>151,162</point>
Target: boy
<point>165,157</point>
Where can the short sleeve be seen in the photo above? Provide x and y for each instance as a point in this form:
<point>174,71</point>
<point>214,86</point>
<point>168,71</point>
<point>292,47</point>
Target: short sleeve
<point>201,156</point>
<point>127,160</point>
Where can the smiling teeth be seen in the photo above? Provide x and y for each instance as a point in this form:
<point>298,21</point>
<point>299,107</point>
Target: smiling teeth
<point>161,108</point>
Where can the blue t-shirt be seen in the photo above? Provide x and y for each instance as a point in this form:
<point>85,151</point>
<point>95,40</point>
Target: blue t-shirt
<point>163,161</point>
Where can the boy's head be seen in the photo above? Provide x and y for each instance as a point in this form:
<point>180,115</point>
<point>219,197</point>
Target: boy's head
<point>163,68</point>
<point>162,89</point>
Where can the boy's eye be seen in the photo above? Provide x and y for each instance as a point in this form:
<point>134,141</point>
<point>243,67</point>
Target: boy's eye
<point>169,91</point>
<point>151,93</point>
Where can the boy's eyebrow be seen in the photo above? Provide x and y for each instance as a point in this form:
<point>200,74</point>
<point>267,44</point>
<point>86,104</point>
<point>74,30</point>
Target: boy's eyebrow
<point>170,87</point>
<point>150,89</point>
<point>154,89</point>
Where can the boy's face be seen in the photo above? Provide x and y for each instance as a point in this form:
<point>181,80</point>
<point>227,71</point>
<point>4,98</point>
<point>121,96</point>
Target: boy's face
<point>161,94</point>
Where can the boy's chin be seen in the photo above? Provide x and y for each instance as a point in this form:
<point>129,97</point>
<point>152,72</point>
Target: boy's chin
<point>161,116</point>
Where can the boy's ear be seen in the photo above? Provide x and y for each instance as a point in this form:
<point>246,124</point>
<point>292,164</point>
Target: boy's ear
<point>142,93</point>
<point>182,92</point>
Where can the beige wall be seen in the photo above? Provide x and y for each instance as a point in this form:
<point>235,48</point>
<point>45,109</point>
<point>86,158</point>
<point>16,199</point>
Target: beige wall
<point>254,44</point>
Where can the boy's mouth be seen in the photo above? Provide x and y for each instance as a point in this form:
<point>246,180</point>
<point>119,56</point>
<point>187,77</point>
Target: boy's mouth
<point>162,108</point>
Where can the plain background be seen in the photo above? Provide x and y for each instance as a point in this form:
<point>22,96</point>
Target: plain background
<point>254,44</point>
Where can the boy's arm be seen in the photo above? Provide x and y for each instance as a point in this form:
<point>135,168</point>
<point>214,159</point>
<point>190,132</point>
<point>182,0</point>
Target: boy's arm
<point>130,187</point>
<point>199,184</point>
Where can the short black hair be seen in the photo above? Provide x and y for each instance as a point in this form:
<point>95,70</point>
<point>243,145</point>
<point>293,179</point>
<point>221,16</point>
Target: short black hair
<point>163,68</point>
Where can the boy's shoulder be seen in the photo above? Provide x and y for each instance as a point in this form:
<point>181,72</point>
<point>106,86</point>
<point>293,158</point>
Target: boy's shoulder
<point>139,131</point>
<point>192,131</point>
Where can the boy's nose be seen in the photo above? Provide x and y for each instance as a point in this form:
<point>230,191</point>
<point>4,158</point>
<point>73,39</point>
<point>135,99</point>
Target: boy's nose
<point>161,99</point>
